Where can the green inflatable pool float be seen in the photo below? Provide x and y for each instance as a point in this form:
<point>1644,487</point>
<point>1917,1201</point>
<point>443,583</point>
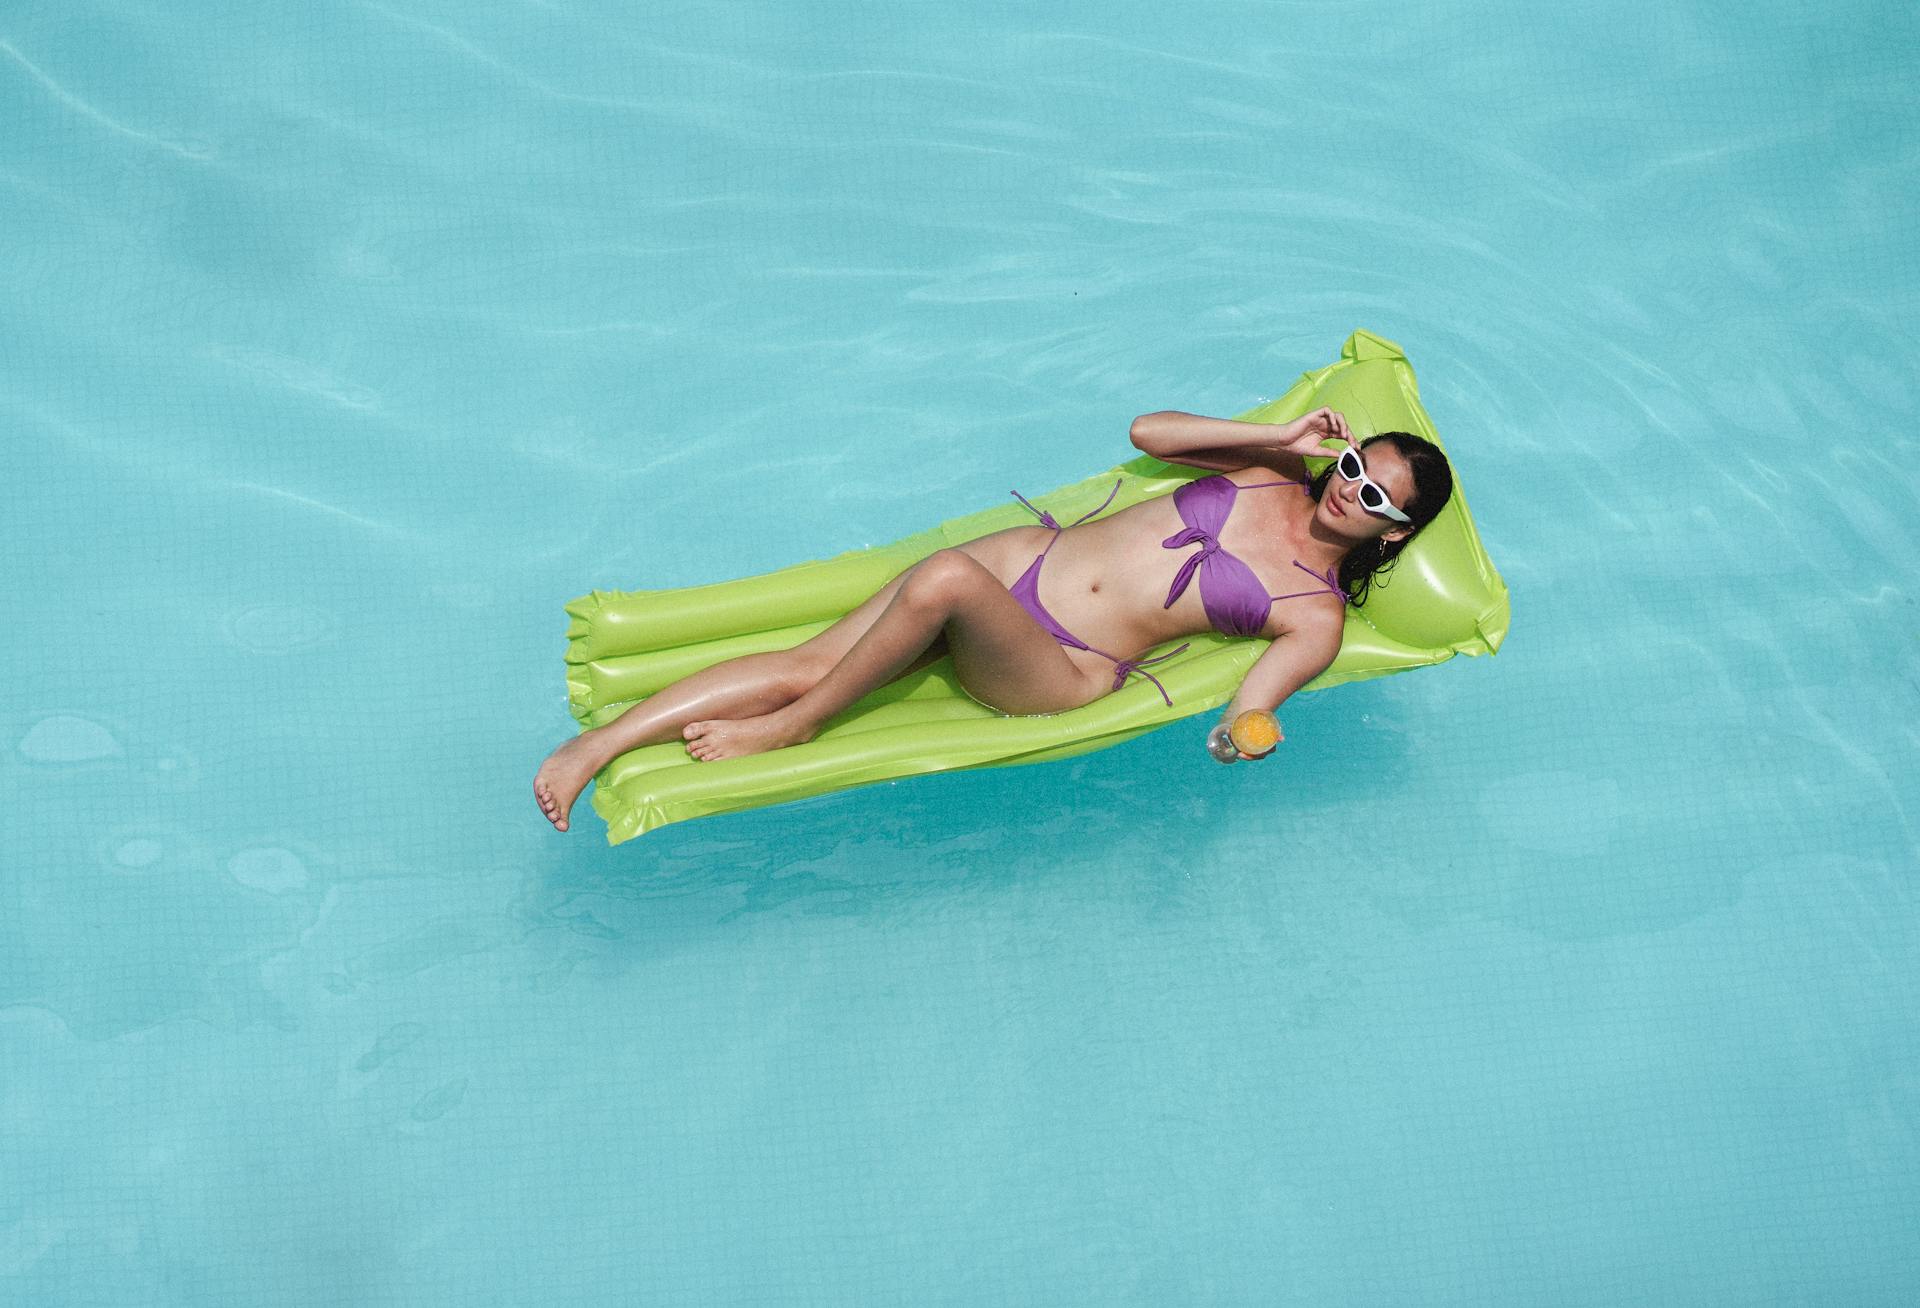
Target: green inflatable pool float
<point>1442,598</point>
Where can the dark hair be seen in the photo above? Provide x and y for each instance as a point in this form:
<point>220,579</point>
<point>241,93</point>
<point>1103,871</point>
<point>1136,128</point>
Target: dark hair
<point>1432,488</point>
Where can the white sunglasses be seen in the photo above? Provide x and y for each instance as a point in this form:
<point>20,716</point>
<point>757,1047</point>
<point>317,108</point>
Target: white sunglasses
<point>1372,498</point>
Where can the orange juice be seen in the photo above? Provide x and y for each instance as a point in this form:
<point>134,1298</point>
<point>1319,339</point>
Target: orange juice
<point>1255,732</point>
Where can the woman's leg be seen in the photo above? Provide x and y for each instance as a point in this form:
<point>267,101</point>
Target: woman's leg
<point>736,688</point>
<point>1000,654</point>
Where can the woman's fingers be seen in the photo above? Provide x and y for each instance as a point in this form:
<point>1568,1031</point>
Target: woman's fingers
<point>1337,428</point>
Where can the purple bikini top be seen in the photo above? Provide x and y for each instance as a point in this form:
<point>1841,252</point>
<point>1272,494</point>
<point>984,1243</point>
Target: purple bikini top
<point>1235,601</point>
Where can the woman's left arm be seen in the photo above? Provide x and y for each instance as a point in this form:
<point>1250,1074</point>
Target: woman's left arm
<point>1290,662</point>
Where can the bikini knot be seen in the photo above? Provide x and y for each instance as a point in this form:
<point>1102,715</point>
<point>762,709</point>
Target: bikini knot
<point>1046,519</point>
<point>1330,579</point>
<point>1180,540</point>
<point>1122,667</point>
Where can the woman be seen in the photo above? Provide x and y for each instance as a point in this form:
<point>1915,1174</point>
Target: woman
<point>1270,561</point>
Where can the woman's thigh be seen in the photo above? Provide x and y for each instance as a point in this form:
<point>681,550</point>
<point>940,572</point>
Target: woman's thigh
<point>996,552</point>
<point>1001,656</point>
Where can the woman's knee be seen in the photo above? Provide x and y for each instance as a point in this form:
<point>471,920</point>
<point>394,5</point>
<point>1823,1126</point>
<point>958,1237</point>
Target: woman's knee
<point>941,578</point>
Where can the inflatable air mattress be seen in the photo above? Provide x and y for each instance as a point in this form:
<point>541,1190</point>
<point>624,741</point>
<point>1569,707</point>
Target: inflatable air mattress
<point>1443,597</point>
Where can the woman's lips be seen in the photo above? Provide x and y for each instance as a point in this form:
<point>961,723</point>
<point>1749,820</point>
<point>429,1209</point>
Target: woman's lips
<point>1336,509</point>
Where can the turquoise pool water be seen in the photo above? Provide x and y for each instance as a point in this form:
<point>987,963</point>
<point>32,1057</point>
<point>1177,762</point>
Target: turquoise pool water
<point>341,345</point>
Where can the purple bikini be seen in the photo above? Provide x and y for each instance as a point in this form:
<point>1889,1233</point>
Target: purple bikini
<point>1235,602</point>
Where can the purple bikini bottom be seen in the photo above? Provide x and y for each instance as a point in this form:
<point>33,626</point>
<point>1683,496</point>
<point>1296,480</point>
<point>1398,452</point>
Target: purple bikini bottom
<point>1027,591</point>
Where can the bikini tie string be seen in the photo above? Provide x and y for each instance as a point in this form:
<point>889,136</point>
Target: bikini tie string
<point>1048,520</point>
<point>1331,580</point>
<point>1122,667</point>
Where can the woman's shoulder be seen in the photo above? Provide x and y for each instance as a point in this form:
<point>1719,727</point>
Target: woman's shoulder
<point>1262,478</point>
<point>1260,474</point>
<point>1316,615</point>
<point>1258,464</point>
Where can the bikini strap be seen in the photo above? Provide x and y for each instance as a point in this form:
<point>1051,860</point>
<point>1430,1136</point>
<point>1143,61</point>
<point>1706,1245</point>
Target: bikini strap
<point>1306,485</point>
<point>1103,504</point>
<point>1048,520</point>
<point>1329,585</point>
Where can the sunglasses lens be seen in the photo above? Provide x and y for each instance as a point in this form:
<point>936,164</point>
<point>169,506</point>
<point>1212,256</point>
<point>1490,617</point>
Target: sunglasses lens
<point>1371,497</point>
<point>1349,464</point>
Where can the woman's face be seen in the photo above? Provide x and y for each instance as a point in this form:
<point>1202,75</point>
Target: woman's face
<point>1340,503</point>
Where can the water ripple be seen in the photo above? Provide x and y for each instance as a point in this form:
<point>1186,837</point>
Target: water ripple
<point>296,375</point>
<point>372,524</point>
<point>195,150</point>
<point>488,60</point>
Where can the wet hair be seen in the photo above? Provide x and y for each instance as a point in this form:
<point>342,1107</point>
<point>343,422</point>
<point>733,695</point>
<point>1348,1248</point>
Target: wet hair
<point>1432,488</point>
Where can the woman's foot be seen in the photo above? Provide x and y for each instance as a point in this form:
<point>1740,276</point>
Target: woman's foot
<point>563,776</point>
<point>730,737</point>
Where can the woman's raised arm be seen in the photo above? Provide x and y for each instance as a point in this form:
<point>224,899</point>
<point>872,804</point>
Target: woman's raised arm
<point>1222,444</point>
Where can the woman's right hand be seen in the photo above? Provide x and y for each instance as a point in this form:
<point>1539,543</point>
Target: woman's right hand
<point>1305,434</point>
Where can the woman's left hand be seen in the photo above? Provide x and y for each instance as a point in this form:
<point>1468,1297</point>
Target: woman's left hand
<point>1305,434</point>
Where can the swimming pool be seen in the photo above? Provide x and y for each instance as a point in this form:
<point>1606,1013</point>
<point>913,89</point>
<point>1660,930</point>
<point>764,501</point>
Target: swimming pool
<point>1581,975</point>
